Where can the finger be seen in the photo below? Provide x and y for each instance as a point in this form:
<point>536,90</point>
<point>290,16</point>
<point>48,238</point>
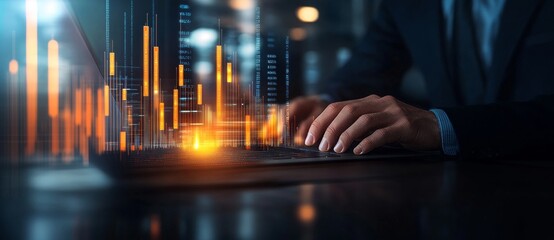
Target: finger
<point>323,120</point>
<point>303,129</point>
<point>346,117</point>
<point>360,128</point>
<point>378,138</point>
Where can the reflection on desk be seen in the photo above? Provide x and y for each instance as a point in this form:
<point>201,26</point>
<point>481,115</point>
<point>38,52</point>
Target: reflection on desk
<point>427,200</point>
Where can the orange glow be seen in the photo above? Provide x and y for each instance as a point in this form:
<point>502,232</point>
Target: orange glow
<point>219,100</point>
<point>181,75</point>
<point>106,100</point>
<point>88,112</point>
<point>156,69</point>
<point>241,4</point>
<point>155,227</point>
<point>199,97</point>
<point>55,136</point>
<point>53,78</point>
<point>32,74</point>
<point>100,121</point>
<point>78,106</point>
<point>229,72</point>
<point>112,64</point>
<point>123,141</point>
<point>306,213</point>
<point>175,109</point>
<point>14,67</point>
<point>68,133</point>
<point>145,59</point>
<point>307,14</point>
<point>204,144</point>
<point>124,94</point>
<point>247,137</point>
<point>298,34</point>
<point>162,117</point>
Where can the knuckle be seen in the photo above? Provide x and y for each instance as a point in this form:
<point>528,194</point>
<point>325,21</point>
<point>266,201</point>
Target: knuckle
<point>331,130</point>
<point>373,96</point>
<point>349,109</point>
<point>346,136</point>
<point>334,107</point>
<point>388,98</point>
<point>381,133</point>
<point>366,119</point>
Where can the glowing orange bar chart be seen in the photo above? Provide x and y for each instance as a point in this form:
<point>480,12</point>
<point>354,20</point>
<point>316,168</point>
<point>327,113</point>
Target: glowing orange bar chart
<point>175,109</point>
<point>229,72</point>
<point>31,52</point>
<point>162,117</point>
<point>156,74</point>
<point>219,100</point>
<point>123,141</point>
<point>199,95</point>
<point>112,64</point>
<point>106,100</point>
<point>53,78</point>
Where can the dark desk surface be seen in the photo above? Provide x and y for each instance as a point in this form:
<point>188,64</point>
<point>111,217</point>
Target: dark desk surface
<point>374,199</point>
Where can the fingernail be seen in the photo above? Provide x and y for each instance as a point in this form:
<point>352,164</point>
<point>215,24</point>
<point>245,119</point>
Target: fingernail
<point>324,145</point>
<point>339,148</point>
<point>358,151</point>
<point>309,140</point>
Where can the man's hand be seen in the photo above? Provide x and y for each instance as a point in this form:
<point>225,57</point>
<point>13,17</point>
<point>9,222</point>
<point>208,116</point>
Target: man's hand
<point>375,121</point>
<point>303,111</point>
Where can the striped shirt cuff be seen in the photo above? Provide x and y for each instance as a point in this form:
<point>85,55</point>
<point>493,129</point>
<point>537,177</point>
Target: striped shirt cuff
<point>448,136</point>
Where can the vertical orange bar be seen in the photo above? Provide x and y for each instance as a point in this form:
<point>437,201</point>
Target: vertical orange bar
<point>247,132</point>
<point>162,117</point>
<point>199,95</point>
<point>145,66</point>
<point>181,75</point>
<point>88,112</point>
<point>112,64</point>
<point>106,100</point>
<point>78,106</point>
<point>219,101</point>
<point>123,141</point>
<point>229,72</point>
<point>53,78</point>
<point>175,109</point>
<point>32,74</point>
<point>100,120</point>
<point>124,95</point>
<point>53,93</point>
<point>156,69</point>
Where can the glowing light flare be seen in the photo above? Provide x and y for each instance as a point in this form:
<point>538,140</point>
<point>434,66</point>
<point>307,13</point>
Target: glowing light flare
<point>298,34</point>
<point>199,94</point>
<point>229,72</point>
<point>219,94</point>
<point>53,78</point>
<point>145,59</point>
<point>123,141</point>
<point>306,213</point>
<point>307,14</point>
<point>13,67</point>
<point>156,74</point>
<point>247,136</point>
<point>106,100</point>
<point>241,4</point>
<point>31,52</point>
<point>204,144</point>
<point>181,75</point>
<point>162,117</point>
<point>112,64</point>
<point>175,109</point>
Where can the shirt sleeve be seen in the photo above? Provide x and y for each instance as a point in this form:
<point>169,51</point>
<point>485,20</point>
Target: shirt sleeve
<point>448,136</point>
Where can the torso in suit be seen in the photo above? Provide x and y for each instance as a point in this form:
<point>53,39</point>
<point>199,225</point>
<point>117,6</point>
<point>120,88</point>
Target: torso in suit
<point>516,111</point>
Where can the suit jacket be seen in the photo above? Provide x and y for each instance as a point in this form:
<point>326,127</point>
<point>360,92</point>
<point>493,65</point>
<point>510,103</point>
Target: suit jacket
<point>517,112</point>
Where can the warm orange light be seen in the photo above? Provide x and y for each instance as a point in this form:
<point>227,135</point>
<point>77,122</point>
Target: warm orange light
<point>175,109</point>
<point>100,121</point>
<point>106,100</point>
<point>247,137</point>
<point>229,72</point>
<point>199,95</point>
<point>112,64</point>
<point>32,74</point>
<point>53,78</point>
<point>124,94</point>
<point>241,4</point>
<point>145,54</point>
<point>156,69</point>
<point>219,94</point>
<point>306,213</point>
<point>88,112</point>
<point>123,141</point>
<point>298,34</point>
<point>307,14</point>
<point>14,67</point>
<point>162,117</point>
<point>181,74</point>
<point>78,106</point>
